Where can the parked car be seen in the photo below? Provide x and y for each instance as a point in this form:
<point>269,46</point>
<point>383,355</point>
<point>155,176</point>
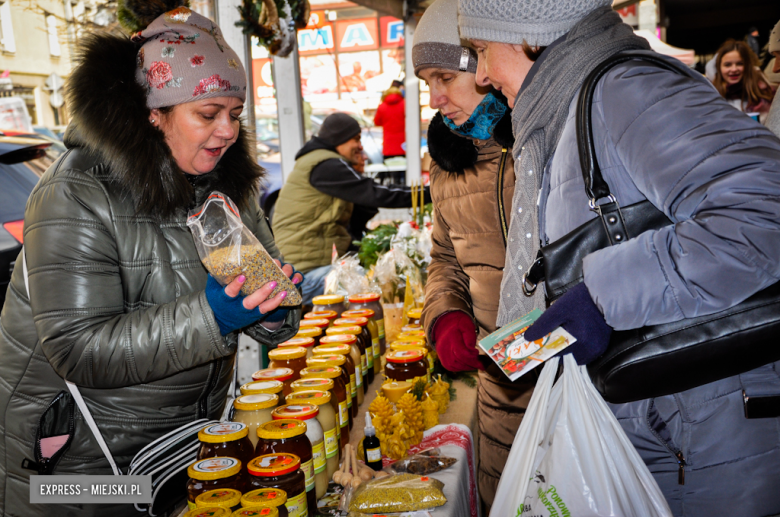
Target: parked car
<point>22,161</point>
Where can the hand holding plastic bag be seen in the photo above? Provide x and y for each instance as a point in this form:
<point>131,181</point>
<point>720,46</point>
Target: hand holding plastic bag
<point>571,457</point>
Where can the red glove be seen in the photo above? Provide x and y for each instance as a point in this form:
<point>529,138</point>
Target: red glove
<point>456,342</point>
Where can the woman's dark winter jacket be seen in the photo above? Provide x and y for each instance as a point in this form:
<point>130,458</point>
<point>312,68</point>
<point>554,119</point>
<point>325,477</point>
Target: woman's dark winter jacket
<point>671,139</point>
<point>116,288</point>
<point>472,198</point>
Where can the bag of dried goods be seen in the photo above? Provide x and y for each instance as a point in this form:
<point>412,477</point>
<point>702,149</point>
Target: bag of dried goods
<point>398,493</point>
<point>227,248</point>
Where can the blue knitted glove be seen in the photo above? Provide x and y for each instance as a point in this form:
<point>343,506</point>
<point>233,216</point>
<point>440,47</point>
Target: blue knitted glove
<point>229,312</point>
<point>579,316</point>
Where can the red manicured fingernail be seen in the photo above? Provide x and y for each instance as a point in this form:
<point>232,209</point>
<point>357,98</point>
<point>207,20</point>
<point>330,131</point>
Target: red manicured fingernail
<point>284,295</point>
<point>241,278</point>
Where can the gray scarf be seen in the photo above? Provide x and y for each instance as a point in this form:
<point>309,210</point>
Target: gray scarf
<point>538,119</point>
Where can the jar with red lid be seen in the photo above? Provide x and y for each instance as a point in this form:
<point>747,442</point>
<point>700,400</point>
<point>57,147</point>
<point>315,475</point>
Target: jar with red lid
<point>303,342</point>
<point>405,365</point>
<point>266,498</point>
<point>415,345</point>
<point>343,345</point>
<point>366,348</point>
<point>283,471</point>
<point>308,413</point>
<point>289,435</point>
<point>328,420</point>
<point>329,302</point>
<point>226,439</point>
<point>283,375</point>
<point>340,361</point>
<point>212,473</point>
<point>371,301</point>
<point>349,335</point>
<point>372,330</point>
<point>313,332</point>
<point>293,358</point>
<point>315,314</point>
<point>335,374</point>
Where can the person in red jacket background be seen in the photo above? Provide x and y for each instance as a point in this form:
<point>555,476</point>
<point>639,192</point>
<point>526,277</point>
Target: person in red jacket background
<point>391,116</point>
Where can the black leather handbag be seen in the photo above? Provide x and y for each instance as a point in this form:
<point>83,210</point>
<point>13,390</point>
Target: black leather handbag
<point>663,359</point>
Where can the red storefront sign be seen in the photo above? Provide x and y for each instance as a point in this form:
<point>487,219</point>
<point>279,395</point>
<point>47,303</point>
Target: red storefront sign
<point>392,30</point>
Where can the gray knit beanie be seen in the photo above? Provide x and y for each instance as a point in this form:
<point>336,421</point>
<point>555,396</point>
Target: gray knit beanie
<point>437,43</point>
<point>538,22</point>
<point>774,39</point>
<point>337,128</point>
<point>185,58</point>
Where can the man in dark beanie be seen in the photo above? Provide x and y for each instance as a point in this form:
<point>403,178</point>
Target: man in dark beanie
<point>325,202</point>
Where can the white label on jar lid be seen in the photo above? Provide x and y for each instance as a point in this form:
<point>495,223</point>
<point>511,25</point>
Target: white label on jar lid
<point>224,428</point>
<point>215,464</point>
<point>254,399</point>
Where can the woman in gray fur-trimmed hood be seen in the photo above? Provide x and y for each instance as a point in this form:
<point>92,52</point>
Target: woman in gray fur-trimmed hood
<point>668,137</point>
<point>118,300</point>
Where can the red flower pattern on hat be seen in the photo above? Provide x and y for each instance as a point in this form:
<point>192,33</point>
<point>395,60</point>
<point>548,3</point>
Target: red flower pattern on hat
<point>159,73</point>
<point>197,60</point>
<point>211,84</point>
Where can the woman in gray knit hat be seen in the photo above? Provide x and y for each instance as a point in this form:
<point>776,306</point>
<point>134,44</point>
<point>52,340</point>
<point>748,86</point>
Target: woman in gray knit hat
<point>661,134</point>
<point>118,300</point>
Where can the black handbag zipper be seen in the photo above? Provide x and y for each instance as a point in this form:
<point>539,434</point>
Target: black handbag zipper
<point>500,194</point>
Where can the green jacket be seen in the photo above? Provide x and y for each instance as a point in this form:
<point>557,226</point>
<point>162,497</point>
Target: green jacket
<point>117,302</point>
<point>307,223</point>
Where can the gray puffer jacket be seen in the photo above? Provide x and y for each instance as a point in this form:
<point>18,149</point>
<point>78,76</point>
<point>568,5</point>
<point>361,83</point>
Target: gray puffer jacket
<point>117,302</point>
<point>715,173</point>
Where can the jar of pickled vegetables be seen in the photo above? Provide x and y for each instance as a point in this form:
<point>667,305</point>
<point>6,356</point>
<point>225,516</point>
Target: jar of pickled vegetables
<point>283,471</point>
<point>254,411</point>
<point>314,315</point>
<point>289,435</point>
<point>312,332</point>
<point>349,335</point>
<point>211,474</point>
<point>283,375</point>
<point>328,419</point>
<point>406,365</point>
<point>293,358</point>
<point>299,342</point>
<point>329,302</point>
<point>226,439</point>
<point>257,387</point>
<point>266,498</point>
<point>371,301</point>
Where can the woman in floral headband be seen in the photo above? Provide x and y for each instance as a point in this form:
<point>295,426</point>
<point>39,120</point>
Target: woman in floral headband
<point>118,300</point>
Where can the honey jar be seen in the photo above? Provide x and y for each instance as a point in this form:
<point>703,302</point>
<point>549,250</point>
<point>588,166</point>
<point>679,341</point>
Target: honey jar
<point>283,471</point>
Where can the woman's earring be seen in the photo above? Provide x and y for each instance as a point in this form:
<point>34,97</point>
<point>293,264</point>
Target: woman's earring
<point>152,121</point>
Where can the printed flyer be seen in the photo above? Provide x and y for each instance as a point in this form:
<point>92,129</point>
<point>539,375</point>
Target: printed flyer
<point>514,355</point>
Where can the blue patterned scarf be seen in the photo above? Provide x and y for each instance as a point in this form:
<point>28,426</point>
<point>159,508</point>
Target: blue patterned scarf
<point>482,121</point>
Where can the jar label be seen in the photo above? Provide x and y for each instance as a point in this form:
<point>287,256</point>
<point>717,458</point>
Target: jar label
<point>358,376</point>
<point>380,327</point>
<point>215,464</point>
<point>343,415</point>
<point>363,364</point>
<point>353,385</point>
<point>308,471</point>
<point>375,346</point>
<point>370,358</point>
<point>296,506</point>
<point>331,443</point>
<point>374,454</point>
<point>318,456</point>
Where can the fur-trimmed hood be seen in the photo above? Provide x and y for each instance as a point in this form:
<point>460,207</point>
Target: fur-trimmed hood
<point>111,120</point>
<point>455,153</point>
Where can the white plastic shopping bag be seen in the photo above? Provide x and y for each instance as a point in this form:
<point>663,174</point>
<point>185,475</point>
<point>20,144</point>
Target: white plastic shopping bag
<point>571,457</point>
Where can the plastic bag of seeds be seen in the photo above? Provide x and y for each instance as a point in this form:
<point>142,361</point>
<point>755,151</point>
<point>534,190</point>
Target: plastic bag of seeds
<point>227,248</point>
<point>399,493</point>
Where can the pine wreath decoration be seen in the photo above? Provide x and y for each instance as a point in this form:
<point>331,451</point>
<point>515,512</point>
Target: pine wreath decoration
<point>274,22</point>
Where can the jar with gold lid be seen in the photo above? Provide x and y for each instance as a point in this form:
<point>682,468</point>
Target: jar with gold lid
<point>256,387</point>
<point>213,473</point>
<point>371,301</point>
<point>329,302</point>
<point>300,342</point>
<point>414,316</point>
<point>320,323</point>
<point>254,411</point>
<point>318,384</point>
<point>308,413</point>
<point>256,511</point>
<point>210,511</point>
<point>227,498</point>
<point>283,375</point>
<point>316,314</point>
<point>351,336</point>
<point>282,471</point>
<point>336,374</point>
<point>266,498</point>
<point>327,418</point>
<point>415,345</point>
<point>229,439</point>
<point>313,332</point>
<point>406,365</point>
<point>340,361</point>
<point>372,330</point>
<point>365,336</point>
<point>344,345</point>
<point>412,335</point>
<point>411,326</point>
<point>293,358</point>
<point>289,436</point>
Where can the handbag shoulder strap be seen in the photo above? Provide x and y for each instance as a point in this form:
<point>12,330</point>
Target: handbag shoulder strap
<point>595,186</point>
<point>74,391</point>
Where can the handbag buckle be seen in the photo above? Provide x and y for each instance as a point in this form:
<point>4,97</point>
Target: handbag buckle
<point>595,208</point>
<point>533,276</point>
